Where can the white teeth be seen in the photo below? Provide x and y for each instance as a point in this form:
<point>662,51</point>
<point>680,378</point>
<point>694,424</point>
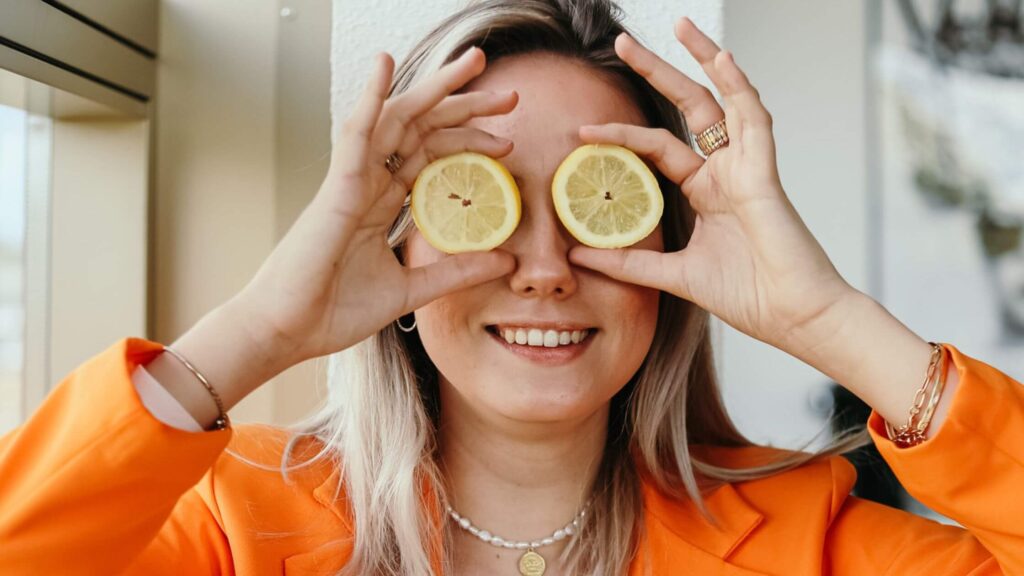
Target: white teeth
<point>545,338</point>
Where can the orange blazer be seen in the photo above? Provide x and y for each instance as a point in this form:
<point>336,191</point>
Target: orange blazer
<point>92,483</point>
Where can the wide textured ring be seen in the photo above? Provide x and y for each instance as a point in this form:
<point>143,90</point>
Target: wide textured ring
<point>393,162</point>
<point>713,138</point>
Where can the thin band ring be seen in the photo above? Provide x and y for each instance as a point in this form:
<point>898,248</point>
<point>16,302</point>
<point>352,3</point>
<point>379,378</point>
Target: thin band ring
<point>394,162</point>
<point>713,138</point>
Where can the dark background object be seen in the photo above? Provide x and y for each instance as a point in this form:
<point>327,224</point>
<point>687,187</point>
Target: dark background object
<point>875,480</point>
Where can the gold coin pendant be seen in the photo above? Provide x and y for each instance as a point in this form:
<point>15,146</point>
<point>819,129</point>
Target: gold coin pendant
<point>531,564</point>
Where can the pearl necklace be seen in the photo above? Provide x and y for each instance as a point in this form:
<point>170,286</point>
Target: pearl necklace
<point>530,563</point>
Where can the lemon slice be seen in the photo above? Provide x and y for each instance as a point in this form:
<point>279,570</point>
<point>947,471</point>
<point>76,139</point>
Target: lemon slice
<point>606,196</point>
<point>465,202</point>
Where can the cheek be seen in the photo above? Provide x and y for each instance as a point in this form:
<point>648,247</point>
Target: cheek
<point>439,321</point>
<point>640,307</point>
<point>631,315</point>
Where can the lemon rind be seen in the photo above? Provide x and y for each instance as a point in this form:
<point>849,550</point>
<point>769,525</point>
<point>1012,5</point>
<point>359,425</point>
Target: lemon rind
<point>505,181</point>
<point>578,228</point>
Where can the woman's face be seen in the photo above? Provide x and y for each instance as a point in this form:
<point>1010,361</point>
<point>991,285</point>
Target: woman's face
<point>479,369</point>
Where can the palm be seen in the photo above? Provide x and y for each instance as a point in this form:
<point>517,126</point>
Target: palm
<point>750,260</point>
<point>333,280</point>
<point>372,279</point>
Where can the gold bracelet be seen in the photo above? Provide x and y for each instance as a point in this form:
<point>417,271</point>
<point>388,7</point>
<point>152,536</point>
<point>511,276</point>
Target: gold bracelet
<point>222,420</point>
<point>915,431</point>
<point>933,402</point>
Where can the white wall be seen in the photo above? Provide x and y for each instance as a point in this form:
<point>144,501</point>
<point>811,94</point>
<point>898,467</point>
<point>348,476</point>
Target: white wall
<point>361,29</point>
<point>215,162</point>
<point>807,59</point>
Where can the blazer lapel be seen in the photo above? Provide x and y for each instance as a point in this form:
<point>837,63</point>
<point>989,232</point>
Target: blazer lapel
<point>678,538</point>
<point>336,550</point>
<point>331,496</point>
<point>322,561</point>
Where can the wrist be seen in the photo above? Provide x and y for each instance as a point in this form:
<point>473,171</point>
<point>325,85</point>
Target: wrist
<point>233,357</point>
<point>870,352</point>
<point>820,340</point>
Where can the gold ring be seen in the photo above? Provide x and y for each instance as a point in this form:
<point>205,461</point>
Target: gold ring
<point>713,138</point>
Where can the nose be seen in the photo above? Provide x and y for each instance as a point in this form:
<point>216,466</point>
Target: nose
<point>541,245</point>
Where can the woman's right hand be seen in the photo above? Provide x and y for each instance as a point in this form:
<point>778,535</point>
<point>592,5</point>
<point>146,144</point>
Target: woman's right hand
<point>333,280</point>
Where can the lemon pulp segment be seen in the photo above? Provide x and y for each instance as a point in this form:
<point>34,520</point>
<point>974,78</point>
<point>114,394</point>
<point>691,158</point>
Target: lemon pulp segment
<point>606,196</point>
<point>465,202</point>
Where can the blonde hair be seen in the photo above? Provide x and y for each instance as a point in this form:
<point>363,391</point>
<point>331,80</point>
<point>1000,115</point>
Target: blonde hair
<point>378,423</point>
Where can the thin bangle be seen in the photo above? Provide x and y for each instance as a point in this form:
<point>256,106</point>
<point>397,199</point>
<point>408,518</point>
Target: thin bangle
<point>222,420</point>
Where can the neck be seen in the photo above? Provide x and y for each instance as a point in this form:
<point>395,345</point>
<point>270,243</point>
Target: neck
<point>517,480</point>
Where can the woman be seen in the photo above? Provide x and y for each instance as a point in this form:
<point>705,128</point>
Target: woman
<point>440,449</point>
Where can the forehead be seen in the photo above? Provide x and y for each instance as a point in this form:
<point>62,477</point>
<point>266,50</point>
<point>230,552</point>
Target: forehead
<point>557,95</point>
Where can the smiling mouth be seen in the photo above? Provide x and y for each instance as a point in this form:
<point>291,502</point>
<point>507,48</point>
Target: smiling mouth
<point>540,338</point>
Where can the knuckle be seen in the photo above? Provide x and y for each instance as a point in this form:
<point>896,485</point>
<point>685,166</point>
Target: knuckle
<point>429,155</point>
<point>393,109</point>
<point>420,128</point>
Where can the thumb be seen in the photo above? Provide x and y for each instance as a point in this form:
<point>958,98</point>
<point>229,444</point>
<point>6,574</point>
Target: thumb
<point>455,272</point>
<point>643,267</point>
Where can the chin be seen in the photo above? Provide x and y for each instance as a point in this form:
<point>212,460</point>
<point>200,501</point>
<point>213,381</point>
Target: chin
<point>548,402</point>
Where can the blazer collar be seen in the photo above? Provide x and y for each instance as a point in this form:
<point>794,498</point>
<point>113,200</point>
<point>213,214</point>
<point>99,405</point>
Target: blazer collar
<point>737,518</point>
<point>330,494</point>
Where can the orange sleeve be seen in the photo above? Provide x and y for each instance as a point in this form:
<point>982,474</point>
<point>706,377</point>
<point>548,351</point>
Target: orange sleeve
<point>89,483</point>
<point>970,470</point>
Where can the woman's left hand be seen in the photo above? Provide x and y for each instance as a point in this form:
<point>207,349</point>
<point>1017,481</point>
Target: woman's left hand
<point>751,260</point>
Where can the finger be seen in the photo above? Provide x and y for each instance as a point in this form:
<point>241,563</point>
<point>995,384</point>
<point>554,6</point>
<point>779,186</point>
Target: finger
<point>703,50</point>
<point>351,151</point>
<point>697,103</point>
<point>400,112</point>
<point>636,266</point>
<point>452,273</point>
<point>459,108</point>
<point>743,95</point>
<point>673,157</point>
<point>448,141</point>
<point>453,111</point>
